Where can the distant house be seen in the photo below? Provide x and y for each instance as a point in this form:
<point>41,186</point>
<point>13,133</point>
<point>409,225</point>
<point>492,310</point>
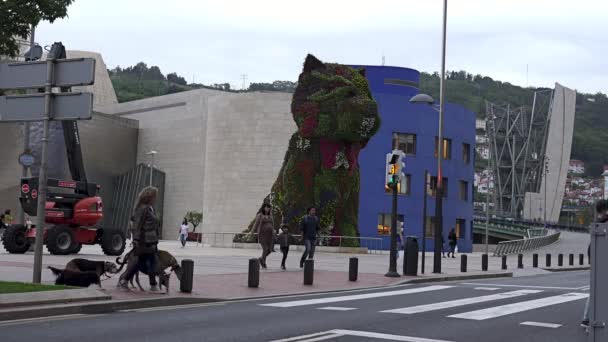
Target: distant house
<point>576,167</point>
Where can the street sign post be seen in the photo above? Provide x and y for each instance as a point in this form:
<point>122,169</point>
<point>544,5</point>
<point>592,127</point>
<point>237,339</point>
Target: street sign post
<point>56,71</point>
<point>65,106</point>
<point>67,73</point>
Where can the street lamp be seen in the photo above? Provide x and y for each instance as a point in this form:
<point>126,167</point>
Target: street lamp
<point>546,170</point>
<point>152,153</point>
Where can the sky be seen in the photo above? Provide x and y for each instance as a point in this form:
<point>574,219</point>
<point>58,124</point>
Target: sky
<point>524,42</point>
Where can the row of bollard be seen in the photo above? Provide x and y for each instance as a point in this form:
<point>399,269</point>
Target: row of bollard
<point>520,261</point>
<point>253,279</point>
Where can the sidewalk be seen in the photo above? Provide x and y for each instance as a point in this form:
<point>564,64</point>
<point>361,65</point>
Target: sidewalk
<point>221,273</point>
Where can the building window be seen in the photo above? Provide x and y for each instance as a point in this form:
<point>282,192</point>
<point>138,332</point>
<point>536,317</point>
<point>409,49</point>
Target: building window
<point>384,223</point>
<point>405,142</point>
<point>447,148</point>
<point>460,227</point>
<point>403,187</point>
<point>464,190</point>
<point>466,153</point>
<point>432,186</point>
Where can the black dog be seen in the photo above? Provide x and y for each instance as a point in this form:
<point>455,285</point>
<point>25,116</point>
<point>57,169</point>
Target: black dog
<point>84,265</point>
<point>75,278</point>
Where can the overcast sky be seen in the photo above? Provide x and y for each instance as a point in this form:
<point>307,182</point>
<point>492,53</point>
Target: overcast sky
<point>213,41</point>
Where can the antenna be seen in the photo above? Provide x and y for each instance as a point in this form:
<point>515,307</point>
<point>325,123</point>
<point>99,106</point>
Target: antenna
<point>244,77</point>
<point>383,59</point>
<point>527,76</point>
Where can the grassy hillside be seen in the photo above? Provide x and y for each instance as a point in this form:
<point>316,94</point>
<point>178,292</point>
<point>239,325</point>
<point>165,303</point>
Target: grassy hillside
<point>590,128</point>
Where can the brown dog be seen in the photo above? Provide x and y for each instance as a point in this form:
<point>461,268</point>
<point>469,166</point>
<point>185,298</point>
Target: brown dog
<point>165,261</point>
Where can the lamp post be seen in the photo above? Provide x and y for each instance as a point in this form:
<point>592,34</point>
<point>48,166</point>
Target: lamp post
<point>152,153</point>
<point>546,170</point>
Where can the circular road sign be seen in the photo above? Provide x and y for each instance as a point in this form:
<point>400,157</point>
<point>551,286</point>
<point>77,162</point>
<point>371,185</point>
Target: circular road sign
<point>34,194</point>
<point>26,159</point>
<point>25,188</point>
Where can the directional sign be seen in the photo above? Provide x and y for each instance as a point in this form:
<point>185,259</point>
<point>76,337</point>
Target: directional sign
<point>64,106</point>
<point>66,73</point>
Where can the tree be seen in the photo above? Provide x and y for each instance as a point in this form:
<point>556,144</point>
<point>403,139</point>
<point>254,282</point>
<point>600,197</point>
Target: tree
<point>17,16</point>
<point>194,217</point>
<point>174,78</point>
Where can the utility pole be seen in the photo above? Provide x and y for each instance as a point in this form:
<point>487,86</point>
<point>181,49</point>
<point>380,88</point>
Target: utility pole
<point>426,176</point>
<point>392,269</point>
<point>152,153</point>
<point>488,167</point>
<point>546,169</point>
<point>244,78</point>
<point>439,194</point>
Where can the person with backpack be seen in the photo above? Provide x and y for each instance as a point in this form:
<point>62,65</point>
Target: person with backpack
<point>309,226</point>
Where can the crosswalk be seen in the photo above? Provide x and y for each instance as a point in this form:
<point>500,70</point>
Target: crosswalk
<point>497,310</point>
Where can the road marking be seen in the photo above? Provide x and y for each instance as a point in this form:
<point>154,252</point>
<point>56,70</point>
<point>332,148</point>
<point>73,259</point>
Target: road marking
<point>487,288</point>
<point>46,319</point>
<point>525,286</point>
<point>460,302</point>
<point>539,324</point>
<point>337,308</point>
<point>303,337</point>
<point>384,336</point>
<point>356,297</point>
<point>508,309</point>
<point>325,335</point>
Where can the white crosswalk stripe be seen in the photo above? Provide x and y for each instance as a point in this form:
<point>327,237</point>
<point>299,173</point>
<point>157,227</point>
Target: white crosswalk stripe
<point>461,302</point>
<point>509,309</point>
<point>325,300</point>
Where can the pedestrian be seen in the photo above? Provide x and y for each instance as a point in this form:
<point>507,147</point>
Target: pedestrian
<point>453,240</point>
<point>146,233</point>
<point>601,209</point>
<point>310,228</point>
<point>264,229</point>
<point>183,232</point>
<point>400,239</point>
<point>442,246</point>
<point>284,242</point>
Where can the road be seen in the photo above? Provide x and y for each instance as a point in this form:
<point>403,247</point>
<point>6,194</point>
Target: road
<point>536,308</point>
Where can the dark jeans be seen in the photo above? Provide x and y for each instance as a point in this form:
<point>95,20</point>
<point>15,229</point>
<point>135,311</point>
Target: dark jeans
<point>285,251</point>
<point>148,262</point>
<point>452,249</point>
<point>309,250</point>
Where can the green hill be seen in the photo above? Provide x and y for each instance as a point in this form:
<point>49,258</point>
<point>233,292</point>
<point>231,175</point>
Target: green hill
<point>590,142</point>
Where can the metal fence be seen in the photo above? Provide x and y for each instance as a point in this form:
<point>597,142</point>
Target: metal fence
<point>518,246</point>
<point>536,232</point>
<point>232,239</point>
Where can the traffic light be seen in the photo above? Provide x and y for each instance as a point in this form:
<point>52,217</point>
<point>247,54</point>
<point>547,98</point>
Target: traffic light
<point>395,165</point>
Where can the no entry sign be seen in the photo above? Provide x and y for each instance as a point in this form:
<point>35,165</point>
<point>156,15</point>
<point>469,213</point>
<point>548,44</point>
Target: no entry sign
<point>34,194</point>
<point>25,188</point>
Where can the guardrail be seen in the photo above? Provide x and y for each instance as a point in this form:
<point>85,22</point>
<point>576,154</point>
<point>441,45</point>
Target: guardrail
<point>233,239</point>
<point>518,246</point>
<point>536,232</point>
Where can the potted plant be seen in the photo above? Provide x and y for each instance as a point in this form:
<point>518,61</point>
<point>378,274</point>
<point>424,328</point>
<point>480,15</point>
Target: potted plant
<point>195,218</point>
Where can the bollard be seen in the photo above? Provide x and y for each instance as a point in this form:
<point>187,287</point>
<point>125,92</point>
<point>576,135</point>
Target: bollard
<point>560,260</point>
<point>581,259</point>
<point>504,262</point>
<point>185,284</point>
<point>253,280</point>
<point>309,271</point>
<point>548,260</point>
<point>463,263</point>
<point>571,259</point>
<point>353,269</point>
<point>534,260</point>
<point>410,262</point>
<point>520,261</point>
<point>484,262</point>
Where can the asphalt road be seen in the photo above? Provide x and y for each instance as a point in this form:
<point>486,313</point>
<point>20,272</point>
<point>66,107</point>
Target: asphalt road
<point>488,311</point>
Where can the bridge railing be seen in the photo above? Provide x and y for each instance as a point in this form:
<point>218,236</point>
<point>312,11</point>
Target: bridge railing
<point>523,245</point>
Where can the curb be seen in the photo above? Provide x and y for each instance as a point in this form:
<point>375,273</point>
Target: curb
<point>15,300</point>
<point>553,269</point>
<point>99,307</point>
<point>109,306</point>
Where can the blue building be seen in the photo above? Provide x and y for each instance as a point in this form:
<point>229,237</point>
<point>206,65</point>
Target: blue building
<point>413,129</point>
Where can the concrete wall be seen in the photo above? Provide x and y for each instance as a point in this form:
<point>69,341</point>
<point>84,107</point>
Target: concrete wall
<point>247,137</point>
<point>221,152</point>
